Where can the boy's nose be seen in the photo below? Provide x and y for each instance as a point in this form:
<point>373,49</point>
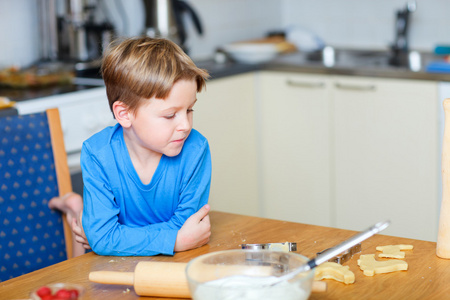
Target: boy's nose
<point>185,123</point>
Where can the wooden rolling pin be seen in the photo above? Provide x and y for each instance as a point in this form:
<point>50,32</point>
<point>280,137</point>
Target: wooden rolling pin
<point>443,240</point>
<point>162,279</point>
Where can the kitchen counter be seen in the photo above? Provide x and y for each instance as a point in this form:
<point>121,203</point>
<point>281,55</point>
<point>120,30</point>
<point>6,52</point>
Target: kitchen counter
<point>86,83</point>
<point>364,63</point>
<point>357,66</point>
<point>25,94</point>
<point>347,62</point>
<point>219,70</point>
<point>426,278</point>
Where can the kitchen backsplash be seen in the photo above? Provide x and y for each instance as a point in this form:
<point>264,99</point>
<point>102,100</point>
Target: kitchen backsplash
<point>340,23</point>
<point>370,23</point>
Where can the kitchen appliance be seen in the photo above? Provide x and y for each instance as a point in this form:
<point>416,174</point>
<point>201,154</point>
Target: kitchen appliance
<point>72,33</point>
<point>400,47</point>
<point>80,37</point>
<point>165,19</point>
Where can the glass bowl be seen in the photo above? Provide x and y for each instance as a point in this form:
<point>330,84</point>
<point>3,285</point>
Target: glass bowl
<point>248,274</point>
<point>55,287</point>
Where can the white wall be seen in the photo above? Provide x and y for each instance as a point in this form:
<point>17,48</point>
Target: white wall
<point>19,33</point>
<point>341,23</point>
<point>228,21</point>
<point>370,23</point>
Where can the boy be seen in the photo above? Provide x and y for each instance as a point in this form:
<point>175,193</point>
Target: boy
<point>146,177</point>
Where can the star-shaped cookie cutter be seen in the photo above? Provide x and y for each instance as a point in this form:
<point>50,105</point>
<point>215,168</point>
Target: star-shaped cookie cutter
<point>345,256</point>
<point>271,246</point>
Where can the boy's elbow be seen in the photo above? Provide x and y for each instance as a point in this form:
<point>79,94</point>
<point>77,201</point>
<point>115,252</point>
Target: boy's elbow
<point>104,247</point>
<point>106,251</point>
<point>97,248</point>
<point>100,251</point>
<point>98,245</point>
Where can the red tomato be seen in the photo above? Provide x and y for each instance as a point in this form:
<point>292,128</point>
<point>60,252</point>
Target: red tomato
<point>43,291</point>
<point>62,294</point>
<point>73,294</point>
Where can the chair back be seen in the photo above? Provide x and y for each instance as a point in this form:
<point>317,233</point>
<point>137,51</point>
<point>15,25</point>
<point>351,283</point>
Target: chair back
<point>32,236</point>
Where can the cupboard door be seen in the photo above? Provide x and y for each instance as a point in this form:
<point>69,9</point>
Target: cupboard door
<point>225,115</point>
<point>294,128</point>
<point>386,155</point>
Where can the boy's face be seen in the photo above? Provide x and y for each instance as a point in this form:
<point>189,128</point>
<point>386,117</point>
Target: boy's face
<point>162,125</point>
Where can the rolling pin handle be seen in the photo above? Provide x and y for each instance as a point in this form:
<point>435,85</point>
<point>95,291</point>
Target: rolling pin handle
<point>110,277</point>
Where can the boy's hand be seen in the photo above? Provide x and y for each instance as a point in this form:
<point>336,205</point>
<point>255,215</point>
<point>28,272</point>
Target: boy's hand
<point>195,232</point>
<point>77,229</point>
<point>71,204</point>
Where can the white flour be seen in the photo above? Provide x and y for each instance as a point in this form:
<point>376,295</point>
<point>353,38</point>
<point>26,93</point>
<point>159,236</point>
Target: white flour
<point>249,288</point>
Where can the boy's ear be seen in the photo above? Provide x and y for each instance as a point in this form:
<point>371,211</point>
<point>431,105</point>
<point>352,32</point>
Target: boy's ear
<point>122,114</point>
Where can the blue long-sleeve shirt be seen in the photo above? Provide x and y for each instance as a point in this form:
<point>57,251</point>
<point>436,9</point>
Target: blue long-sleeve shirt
<point>124,217</point>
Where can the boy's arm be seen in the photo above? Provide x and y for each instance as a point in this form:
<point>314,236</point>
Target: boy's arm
<point>195,192</point>
<point>192,212</point>
<point>195,232</point>
<point>107,236</point>
<point>100,215</point>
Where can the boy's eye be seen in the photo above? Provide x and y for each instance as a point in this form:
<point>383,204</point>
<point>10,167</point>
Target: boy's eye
<point>189,110</point>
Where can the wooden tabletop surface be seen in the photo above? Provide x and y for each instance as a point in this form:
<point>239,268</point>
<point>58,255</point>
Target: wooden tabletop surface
<point>428,276</point>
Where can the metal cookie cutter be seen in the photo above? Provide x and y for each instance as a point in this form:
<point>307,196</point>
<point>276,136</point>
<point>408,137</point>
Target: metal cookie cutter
<point>286,247</point>
<point>344,256</point>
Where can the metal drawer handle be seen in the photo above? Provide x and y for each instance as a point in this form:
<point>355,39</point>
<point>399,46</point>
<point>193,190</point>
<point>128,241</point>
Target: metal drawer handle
<point>304,84</point>
<point>355,87</point>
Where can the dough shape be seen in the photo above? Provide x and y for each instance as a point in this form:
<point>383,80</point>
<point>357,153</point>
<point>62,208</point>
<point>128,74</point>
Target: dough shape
<point>332,270</point>
<point>393,251</point>
<point>370,266</point>
<point>284,247</point>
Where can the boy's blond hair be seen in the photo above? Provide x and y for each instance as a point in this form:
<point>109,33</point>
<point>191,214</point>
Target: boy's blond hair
<point>138,69</point>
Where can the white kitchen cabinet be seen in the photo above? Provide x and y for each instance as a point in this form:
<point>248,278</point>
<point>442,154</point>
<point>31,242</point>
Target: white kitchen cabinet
<point>350,151</point>
<point>294,126</point>
<point>225,115</point>
<point>386,155</point>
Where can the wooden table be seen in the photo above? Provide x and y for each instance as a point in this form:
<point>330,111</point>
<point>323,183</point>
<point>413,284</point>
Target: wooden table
<point>428,276</point>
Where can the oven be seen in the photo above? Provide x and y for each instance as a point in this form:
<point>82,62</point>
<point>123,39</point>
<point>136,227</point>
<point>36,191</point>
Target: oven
<point>82,113</point>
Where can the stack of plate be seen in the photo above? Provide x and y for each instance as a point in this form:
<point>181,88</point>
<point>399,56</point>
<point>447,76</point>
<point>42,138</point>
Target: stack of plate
<point>252,53</point>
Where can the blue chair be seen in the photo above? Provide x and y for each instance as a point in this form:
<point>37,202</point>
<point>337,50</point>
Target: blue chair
<point>33,169</point>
